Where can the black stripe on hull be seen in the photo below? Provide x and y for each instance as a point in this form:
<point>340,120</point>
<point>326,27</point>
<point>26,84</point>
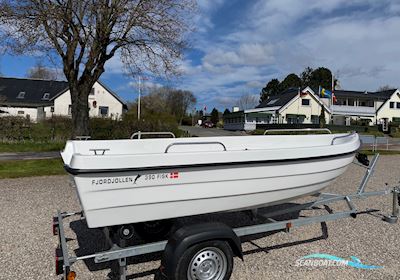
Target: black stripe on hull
<point>75,171</point>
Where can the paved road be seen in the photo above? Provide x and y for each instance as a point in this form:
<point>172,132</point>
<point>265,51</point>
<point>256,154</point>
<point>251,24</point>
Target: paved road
<point>29,155</point>
<point>210,132</point>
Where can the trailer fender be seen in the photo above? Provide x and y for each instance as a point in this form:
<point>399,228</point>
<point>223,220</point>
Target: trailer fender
<point>188,236</point>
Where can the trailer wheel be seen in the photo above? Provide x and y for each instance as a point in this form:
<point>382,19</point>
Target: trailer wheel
<point>153,230</point>
<point>210,260</point>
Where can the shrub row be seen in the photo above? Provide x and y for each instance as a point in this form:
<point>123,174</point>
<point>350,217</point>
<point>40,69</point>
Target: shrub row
<point>58,129</point>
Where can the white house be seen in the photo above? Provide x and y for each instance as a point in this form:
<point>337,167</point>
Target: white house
<point>293,106</point>
<point>39,99</point>
<point>370,108</point>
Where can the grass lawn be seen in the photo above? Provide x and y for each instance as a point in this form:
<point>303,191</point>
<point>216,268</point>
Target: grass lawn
<point>31,147</point>
<point>29,168</point>
<point>381,152</point>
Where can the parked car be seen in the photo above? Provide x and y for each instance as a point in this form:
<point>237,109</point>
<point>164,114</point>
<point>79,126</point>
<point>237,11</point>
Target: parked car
<point>208,124</point>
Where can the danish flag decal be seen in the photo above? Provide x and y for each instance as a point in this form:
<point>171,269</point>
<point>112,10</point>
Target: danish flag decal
<point>174,175</point>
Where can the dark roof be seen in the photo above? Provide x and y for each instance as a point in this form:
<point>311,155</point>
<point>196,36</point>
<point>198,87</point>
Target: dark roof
<point>241,114</point>
<point>34,91</point>
<point>379,95</point>
<point>280,99</point>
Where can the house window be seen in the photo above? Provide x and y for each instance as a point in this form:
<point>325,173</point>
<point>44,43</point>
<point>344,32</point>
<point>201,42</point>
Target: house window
<point>315,119</point>
<point>351,102</point>
<point>70,110</point>
<point>391,105</point>
<point>46,96</point>
<point>21,112</point>
<point>341,101</point>
<point>21,95</point>
<point>103,111</point>
<point>305,102</point>
<point>92,91</point>
<point>398,105</point>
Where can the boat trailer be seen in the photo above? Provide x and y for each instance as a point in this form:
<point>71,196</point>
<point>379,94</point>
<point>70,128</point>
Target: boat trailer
<point>216,231</point>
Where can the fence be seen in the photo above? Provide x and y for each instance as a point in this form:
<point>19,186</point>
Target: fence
<point>357,128</point>
<point>381,143</point>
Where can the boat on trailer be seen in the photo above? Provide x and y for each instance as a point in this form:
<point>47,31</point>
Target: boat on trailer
<point>131,181</point>
<point>205,250</point>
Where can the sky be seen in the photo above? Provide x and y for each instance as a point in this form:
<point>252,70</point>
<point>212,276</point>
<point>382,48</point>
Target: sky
<point>239,45</point>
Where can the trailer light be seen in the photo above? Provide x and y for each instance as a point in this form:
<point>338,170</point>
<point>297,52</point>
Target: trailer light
<point>59,262</point>
<point>71,275</point>
<point>55,226</point>
<point>288,226</point>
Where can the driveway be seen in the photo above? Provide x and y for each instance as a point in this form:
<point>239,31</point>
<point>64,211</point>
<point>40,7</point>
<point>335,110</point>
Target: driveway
<point>210,132</point>
<point>27,206</point>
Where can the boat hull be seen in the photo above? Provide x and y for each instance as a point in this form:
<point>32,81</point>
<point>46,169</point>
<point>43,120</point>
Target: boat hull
<point>124,197</point>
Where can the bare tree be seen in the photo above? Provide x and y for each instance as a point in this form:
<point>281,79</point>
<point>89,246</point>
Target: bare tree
<point>39,71</point>
<point>147,35</point>
<point>176,102</point>
<point>385,87</point>
<point>247,101</point>
<point>179,101</point>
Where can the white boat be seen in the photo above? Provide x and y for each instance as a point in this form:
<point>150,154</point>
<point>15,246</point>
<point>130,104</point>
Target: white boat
<point>130,181</point>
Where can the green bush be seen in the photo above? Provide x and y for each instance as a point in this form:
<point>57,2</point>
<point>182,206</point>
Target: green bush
<point>59,129</point>
<point>395,130</point>
<point>14,128</point>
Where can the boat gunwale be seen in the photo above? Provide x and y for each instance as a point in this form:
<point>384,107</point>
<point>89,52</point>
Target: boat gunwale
<point>78,171</point>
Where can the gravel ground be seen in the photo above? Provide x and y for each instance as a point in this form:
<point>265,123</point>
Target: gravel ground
<point>27,245</point>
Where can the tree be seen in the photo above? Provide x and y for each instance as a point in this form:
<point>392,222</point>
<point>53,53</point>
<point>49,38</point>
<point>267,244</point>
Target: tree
<point>321,77</point>
<point>179,101</point>
<point>291,80</point>
<point>173,101</point>
<point>270,89</point>
<point>384,88</point>
<point>247,101</point>
<point>306,76</point>
<point>214,116</point>
<point>147,35</point>
<point>322,120</point>
<point>39,71</point>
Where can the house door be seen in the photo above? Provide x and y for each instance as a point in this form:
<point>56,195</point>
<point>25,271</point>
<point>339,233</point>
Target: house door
<point>348,121</point>
<point>385,124</point>
<point>41,114</point>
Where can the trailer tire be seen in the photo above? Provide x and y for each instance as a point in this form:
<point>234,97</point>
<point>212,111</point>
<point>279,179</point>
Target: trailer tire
<point>153,230</point>
<point>209,260</point>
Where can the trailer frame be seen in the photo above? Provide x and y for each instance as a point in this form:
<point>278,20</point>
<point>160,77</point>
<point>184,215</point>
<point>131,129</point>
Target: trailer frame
<point>64,261</point>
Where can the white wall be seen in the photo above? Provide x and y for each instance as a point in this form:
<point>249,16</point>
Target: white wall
<point>296,108</point>
<point>20,112</point>
<point>386,111</point>
<point>101,96</point>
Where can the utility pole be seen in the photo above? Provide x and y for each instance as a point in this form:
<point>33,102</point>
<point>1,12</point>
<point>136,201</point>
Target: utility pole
<point>138,110</point>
